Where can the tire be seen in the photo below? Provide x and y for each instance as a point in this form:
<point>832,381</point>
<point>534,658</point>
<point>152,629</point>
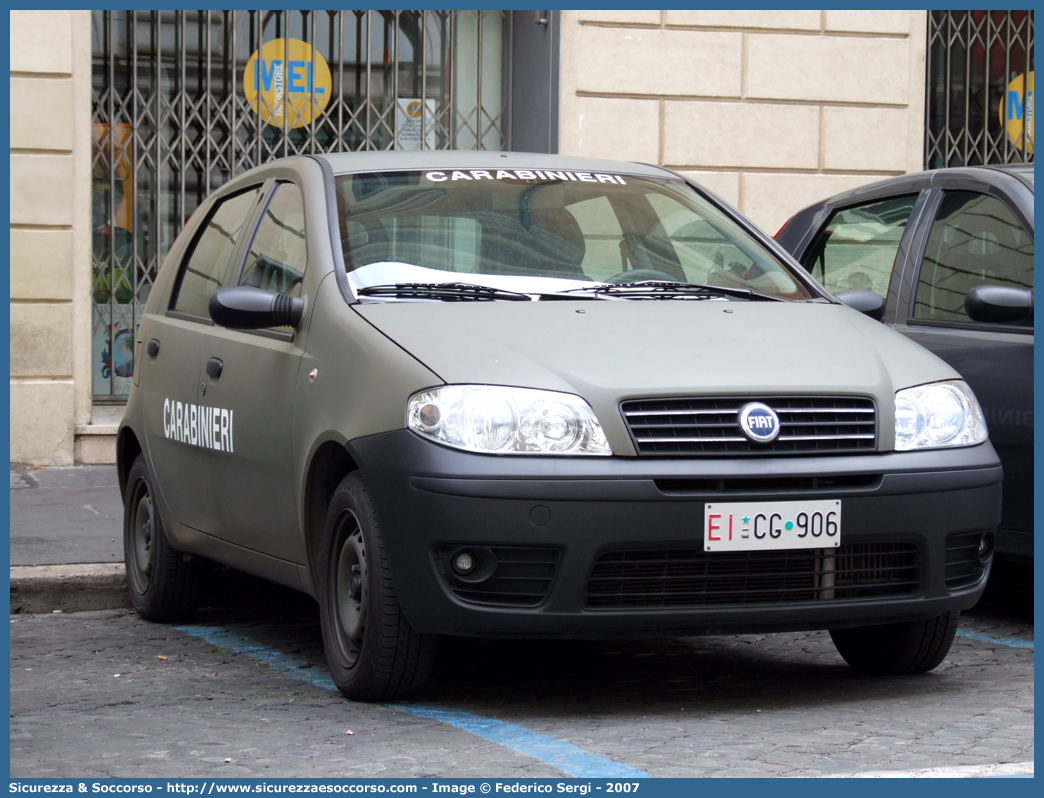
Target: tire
<point>164,584</point>
<point>372,651</point>
<point>898,648</point>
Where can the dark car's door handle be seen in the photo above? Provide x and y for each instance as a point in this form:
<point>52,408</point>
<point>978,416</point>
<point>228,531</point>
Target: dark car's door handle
<point>214,366</point>
<point>153,347</point>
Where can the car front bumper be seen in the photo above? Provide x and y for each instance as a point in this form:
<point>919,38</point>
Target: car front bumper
<point>547,520</point>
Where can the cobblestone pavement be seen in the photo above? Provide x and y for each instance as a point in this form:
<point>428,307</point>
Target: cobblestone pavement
<point>108,694</point>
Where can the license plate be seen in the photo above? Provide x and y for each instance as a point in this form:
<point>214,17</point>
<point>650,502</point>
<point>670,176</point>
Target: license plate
<point>757,526</point>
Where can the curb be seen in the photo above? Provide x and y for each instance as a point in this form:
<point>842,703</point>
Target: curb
<point>68,588</point>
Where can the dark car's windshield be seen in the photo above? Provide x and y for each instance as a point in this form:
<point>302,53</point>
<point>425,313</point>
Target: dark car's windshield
<point>544,232</point>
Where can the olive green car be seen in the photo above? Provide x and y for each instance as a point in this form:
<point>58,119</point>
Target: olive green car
<point>501,394</point>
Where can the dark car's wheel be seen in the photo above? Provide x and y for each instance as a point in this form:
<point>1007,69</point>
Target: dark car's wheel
<point>898,648</point>
<point>164,584</point>
<point>373,653</point>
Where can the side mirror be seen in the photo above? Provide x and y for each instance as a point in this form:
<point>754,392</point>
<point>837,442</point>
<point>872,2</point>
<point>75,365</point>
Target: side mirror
<point>866,302</point>
<point>999,304</point>
<point>243,308</point>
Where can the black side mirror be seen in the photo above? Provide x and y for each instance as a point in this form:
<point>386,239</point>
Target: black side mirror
<point>244,308</point>
<point>999,304</point>
<point>866,302</point>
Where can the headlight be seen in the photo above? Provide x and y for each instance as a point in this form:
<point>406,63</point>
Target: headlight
<point>941,414</point>
<point>498,420</point>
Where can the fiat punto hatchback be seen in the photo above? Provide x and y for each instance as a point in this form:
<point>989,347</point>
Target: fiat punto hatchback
<point>532,396</point>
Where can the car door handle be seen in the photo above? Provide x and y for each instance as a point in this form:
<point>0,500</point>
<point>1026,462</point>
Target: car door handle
<point>214,367</point>
<point>153,347</point>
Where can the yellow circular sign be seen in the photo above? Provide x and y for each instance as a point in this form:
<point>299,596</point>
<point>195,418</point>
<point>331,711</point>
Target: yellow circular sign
<point>1016,112</point>
<point>287,83</point>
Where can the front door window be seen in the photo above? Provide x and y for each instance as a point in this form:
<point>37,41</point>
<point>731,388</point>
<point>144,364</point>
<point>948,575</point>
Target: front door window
<point>203,271</point>
<point>857,248</point>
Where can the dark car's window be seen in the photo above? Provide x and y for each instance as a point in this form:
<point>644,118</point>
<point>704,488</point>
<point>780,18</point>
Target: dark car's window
<point>203,272</point>
<point>857,247</point>
<point>277,255</point>
<point>545,231</point>
<point>975,240</point>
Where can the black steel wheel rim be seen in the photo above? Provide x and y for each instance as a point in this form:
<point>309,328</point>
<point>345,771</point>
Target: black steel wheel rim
<point>349,591</point>
<point>141,545</point>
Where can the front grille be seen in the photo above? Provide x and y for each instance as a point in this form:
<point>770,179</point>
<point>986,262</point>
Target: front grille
<point>963,566</point>
<point>710,426</point>
<point>512,576</point>
<point>690,577</point>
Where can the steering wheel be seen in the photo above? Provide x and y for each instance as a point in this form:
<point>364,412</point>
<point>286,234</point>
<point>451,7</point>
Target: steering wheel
<point>637,275</point>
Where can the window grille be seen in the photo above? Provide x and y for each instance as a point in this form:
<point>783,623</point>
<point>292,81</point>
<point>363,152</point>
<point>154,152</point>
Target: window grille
<point>979,104</point>
<point>171,120</point>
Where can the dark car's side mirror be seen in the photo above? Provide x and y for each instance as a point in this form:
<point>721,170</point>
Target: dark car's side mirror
<point>866,302</point>
<point>243,308</point>
<point>999,304</point>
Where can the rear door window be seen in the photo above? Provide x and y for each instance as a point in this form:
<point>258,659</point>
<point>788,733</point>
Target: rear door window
<point>203,271</point>
<point>857,248</point>
<point>975,240</point>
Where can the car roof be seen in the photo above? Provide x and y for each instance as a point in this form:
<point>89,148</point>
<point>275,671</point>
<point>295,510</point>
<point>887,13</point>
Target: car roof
<point>1023,171</point>
<point>345,162</point>
<point>918,181</point>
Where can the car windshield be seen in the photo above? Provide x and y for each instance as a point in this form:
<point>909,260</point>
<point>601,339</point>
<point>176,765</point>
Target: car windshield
<point>545,232</point>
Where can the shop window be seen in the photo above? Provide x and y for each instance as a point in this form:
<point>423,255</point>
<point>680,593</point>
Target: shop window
<point>183,101</point>
<point>979,103</point>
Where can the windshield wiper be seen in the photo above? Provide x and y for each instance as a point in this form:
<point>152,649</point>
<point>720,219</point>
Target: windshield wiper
<point>664,289</point>
<point>446,292</point>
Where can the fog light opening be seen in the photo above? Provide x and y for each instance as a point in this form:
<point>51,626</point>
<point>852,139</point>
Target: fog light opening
<point>985,548</point>
<point>463,563</point>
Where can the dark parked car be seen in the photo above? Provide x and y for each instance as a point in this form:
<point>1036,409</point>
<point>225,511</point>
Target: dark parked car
<point>950,253</point>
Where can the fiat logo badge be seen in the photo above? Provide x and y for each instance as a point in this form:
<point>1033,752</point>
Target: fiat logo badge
<point>759,422</point>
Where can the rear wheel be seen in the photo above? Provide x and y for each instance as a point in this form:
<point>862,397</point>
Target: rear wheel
<point>898,648</point>
<point>163,584</point>
<point>372,651</point>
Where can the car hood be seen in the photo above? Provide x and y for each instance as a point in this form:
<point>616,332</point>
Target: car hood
<point>609,351</point>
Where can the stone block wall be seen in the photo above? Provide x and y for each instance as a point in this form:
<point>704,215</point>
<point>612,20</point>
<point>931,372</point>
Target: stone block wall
<point>50,233</point>
<point>771,110</point>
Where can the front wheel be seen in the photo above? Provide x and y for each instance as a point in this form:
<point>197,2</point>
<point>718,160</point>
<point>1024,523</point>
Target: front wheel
<point>898,648</point>
<point>163,584</point>
<point>372,651</point>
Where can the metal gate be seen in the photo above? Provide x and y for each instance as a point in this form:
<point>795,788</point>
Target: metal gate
<point>184,100</point>
<point>980,88</point>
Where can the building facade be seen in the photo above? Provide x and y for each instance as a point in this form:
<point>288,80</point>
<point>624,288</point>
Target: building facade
<point>123,121</point>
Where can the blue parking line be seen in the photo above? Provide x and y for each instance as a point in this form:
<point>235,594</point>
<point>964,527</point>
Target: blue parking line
<point>1011,642</point>
<point>559,754</point>
<point>299,669</point>
<point>562,755</point>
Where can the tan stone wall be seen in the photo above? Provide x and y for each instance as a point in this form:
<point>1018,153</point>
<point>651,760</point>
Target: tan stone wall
<point>771,110</point>
<point>50,232</point>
